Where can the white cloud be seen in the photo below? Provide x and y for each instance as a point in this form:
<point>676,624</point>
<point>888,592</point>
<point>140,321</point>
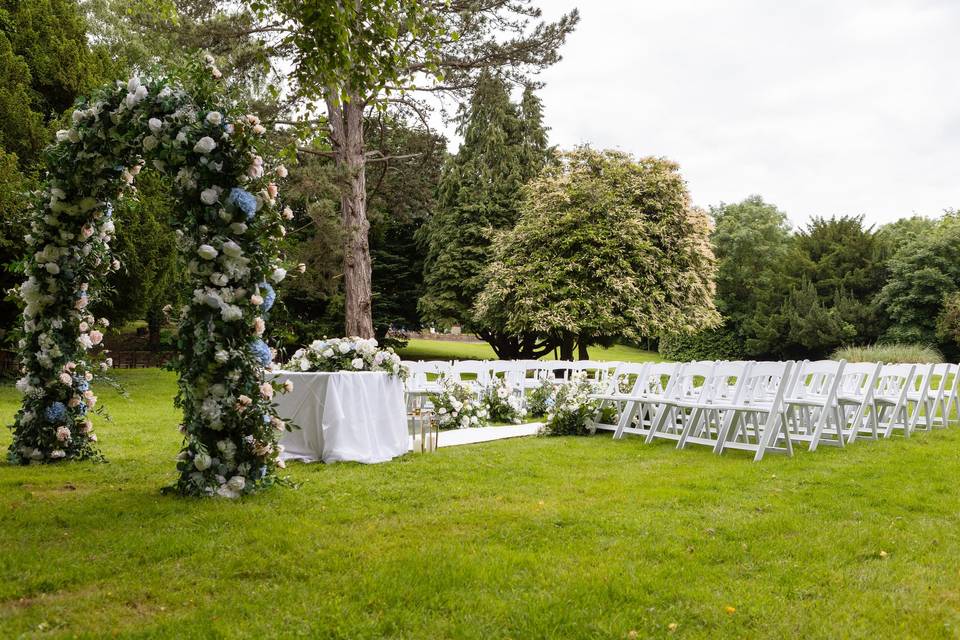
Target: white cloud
<point>821,107</point>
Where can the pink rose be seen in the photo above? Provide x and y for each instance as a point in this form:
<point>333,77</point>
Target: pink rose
<point>272,190</point>
<point>96,337</point>
<point>259,326</point>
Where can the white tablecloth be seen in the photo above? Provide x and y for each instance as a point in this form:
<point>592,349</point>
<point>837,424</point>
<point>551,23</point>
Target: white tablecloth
<point>354,416</point>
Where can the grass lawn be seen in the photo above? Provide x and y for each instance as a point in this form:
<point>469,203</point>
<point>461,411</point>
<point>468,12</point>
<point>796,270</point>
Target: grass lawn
<point>420,349</point>
<point>531,538</point>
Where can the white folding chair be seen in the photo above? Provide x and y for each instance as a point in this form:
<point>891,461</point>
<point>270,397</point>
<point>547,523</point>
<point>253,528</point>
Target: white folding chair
<point>616,395</point>
<point>922,398</point>
<point>757,421</point>
<point>709,416</point>
<point>890,398</point>
<point>651,386</point>
<point>674,411</point>
<point>813,415</point>
<point>473,373</point>
<point>858,383</point>
<point>949,385</point>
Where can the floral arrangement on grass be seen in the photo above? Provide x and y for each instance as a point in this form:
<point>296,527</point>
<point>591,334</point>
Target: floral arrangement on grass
<point>229,227</point>
<point>346,354</point>
<point>457,406</point>
<point>570,408</point>
<point>502,404</point>
<point>538,402</point>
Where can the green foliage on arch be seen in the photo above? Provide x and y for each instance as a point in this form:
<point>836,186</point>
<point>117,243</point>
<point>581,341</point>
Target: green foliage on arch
<point>228,226</point>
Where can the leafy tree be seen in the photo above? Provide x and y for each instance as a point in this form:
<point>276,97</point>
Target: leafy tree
<point>478,194</point>
<point>753,246</point>
<point>146,246</point>
<point>924,274</point>
<point>605,246</point>
<point>355,55</point>
<point>45,62</point>
<point>402,196</point>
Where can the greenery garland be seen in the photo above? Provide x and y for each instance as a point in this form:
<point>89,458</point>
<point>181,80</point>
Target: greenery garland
<point>228,229</point>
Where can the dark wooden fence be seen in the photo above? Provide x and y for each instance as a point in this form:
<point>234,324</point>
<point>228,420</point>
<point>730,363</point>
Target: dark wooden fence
<point>121,360</point>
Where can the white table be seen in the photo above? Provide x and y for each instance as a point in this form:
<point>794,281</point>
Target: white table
<point>344,416</point>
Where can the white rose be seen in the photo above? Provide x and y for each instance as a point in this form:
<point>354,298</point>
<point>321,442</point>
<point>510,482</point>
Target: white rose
<point>219,279</point>
<point>230,312</point>
<point>238,228</point>
<point>52,268</point>
<point>357,363</point>
<point>63,135</point>
<point>155,124</point>
<point>215,118</point>
<point>205,145</point>
<point>150,143</point>
<point>237,483</point>
<point>327,353</point>
<point>278,274</point>
<point>202,462</point>
<point>232,249</point>
<point>207,252</point>
<point>209,196</point>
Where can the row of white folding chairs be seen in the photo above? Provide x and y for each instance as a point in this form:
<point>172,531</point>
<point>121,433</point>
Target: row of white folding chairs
<point>519,375</point>
<point>766,406</point>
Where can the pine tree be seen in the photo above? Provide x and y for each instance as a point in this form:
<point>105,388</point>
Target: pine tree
<point>479,194</point>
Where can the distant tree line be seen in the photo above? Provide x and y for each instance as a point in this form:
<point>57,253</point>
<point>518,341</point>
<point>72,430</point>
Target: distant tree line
<point>530,248</point>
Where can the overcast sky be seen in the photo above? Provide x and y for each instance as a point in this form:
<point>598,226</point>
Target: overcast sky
<point>820,106</point>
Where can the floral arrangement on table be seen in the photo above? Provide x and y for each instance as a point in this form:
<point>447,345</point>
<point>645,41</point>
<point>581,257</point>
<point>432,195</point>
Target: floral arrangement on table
<point>502,404</point>
<point>347,354</point>
<point>570,408</point>
<point>229,227</point>
<point>457,406</point>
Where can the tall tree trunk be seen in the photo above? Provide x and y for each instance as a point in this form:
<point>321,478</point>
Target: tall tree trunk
<point>582,343</point>
<point>154,323</point>
<point>566,346</point>
<point>346,133</point>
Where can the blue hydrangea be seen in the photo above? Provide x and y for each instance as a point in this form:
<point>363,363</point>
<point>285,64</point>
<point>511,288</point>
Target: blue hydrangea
<point>244,201</point>
<point>269,296</point>
<point>261,352</point>
<point>56,412</point>
<point>81,384</point>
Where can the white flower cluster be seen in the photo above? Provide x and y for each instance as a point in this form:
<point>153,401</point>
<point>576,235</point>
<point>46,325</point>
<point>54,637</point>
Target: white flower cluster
<point>504,404</point>
<point>570,407</point>
<point>346,354</point>
<point>457,406</point>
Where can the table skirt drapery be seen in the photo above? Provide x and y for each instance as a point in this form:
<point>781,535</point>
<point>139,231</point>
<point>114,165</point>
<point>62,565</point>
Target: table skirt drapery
<point>344,416</point>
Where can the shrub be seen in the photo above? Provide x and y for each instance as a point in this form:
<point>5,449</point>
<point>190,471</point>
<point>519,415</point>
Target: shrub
<point>895,353</point>
<point>710,344</point>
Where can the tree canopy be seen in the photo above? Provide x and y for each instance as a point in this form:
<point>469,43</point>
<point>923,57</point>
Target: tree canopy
<point>606,245</point>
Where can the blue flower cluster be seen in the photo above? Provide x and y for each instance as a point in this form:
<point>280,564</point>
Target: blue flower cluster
<point>269,296</point>
<point>56,412</point>
<point>243,200</point>
<point>261,352</point>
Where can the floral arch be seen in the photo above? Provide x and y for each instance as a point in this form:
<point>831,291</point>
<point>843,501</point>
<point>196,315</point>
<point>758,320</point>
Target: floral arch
<point>228,228</point>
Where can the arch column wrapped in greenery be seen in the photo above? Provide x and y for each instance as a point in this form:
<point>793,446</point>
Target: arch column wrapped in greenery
<point>228,228</point>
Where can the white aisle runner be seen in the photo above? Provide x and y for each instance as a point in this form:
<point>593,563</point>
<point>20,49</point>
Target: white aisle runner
<point>455,437</point>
